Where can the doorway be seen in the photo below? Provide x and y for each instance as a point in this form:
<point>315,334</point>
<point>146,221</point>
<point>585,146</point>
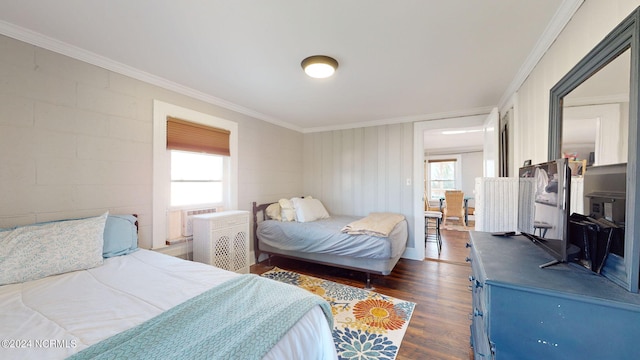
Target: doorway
<point>430,140</point>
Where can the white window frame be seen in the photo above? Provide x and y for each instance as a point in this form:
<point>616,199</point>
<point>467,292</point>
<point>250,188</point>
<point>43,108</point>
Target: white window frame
<point>458,171</point>
<point>225,181</point>
<point>162,164</point>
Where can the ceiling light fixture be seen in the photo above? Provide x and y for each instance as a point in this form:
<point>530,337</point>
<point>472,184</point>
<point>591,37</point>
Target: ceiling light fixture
<point>319,66</point>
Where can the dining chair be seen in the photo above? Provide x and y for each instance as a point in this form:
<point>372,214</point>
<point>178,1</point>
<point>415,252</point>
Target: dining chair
<point>454,206</point>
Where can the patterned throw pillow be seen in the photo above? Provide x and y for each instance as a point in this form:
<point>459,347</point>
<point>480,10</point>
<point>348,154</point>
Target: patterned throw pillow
<point>36,251</point>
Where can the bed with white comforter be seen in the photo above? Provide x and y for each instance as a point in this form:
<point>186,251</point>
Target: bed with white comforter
<point>56,316</point>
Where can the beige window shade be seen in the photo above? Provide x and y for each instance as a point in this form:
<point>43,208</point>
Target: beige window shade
<point>188,136</point>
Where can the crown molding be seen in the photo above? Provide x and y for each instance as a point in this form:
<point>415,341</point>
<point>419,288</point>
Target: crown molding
<point>560,19</point>
<point>48,43</point>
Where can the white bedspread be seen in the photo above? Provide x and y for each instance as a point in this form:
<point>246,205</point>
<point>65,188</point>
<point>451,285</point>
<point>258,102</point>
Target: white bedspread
<point>54,317</point>
<point>376,224</point>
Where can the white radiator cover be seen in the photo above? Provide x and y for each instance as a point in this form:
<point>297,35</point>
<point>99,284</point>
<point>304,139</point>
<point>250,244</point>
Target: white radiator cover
<point>496,202</point>
<point>222,240</point>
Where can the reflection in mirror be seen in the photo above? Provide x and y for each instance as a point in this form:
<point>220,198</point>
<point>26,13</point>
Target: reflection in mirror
<point>594,133</point>
<point>596,116</point>
<point>602,89</point>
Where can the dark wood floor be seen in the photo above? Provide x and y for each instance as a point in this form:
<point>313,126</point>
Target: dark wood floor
<point>439,327</point>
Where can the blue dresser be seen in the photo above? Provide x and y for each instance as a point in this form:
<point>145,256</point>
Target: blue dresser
<point>561,312</point>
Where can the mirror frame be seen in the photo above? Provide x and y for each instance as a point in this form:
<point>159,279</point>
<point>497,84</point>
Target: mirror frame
<point>624,37</point>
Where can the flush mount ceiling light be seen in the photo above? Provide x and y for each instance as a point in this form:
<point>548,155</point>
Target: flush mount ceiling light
<point>319,66</point>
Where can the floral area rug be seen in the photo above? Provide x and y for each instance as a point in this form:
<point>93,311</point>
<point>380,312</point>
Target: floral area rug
<point>366,326</point>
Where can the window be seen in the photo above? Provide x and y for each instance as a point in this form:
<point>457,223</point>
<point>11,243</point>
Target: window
<point>443,175</point>
<point>197,162</point>
<point>166,215</point>
<point>196,178</point>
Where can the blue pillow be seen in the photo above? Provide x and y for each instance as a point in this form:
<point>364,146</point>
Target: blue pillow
<point>120,236</point>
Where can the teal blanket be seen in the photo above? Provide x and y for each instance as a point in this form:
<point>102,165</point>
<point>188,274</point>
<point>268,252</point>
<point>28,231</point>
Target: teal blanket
<point>240,319</point>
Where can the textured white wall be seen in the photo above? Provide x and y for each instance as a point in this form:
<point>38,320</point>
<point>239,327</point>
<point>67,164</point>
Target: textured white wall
<point>76,140</point>
<point>589,25</point>
<point>358,171</point>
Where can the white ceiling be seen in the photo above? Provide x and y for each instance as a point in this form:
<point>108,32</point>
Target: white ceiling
<point>450,140</point>
<point>399,60</point>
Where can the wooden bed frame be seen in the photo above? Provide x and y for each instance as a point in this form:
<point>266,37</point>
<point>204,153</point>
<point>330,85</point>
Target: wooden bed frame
<point>329,260</point>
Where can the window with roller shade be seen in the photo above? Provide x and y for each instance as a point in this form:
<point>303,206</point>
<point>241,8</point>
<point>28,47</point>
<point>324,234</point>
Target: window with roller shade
<point>167,224</point>
<point>199,158</point>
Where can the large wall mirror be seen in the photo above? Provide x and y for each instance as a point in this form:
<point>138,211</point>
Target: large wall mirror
<point>594,117</point>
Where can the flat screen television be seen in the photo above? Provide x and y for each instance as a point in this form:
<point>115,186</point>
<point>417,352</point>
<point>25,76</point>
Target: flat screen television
<point>543,208</point>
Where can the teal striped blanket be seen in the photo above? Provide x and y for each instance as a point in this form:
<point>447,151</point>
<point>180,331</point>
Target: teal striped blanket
<point>242,318</point>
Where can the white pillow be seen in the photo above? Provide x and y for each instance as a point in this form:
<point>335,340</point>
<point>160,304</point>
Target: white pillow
<point>309,209</point>
<point>273,212</point>
<point>288,212</point>
<point>36,251</point>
